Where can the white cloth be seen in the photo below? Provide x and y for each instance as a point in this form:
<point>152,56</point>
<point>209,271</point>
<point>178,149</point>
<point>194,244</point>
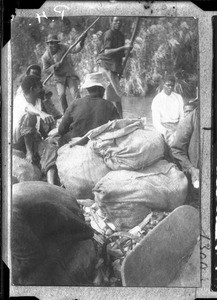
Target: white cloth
<point>166,109</point>
<point>20,108</point>
<point>19,91</point>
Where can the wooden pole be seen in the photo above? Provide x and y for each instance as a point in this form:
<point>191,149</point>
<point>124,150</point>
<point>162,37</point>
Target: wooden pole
<point>131,44</point>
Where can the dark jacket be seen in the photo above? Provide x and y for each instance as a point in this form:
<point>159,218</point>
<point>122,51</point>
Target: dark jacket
<point>85,114</point>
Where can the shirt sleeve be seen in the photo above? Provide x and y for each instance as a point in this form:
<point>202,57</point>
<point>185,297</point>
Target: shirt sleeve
<point>66,121</point>
<point>156,116</point>
<point>181,142</point>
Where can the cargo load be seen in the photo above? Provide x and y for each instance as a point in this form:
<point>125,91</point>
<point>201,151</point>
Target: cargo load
<point>127,197</point>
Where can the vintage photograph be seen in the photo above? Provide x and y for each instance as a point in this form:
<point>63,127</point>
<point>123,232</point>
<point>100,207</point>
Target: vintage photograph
<point>105,151</point>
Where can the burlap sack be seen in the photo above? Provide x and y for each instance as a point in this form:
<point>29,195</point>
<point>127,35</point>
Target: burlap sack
<point>126,197</point>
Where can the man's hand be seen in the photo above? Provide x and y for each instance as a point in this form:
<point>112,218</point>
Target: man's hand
<point>83,40</point>
<point>57,65</point>
<point>127,47</point>
<point>194,172</point>
<point>48,119</point>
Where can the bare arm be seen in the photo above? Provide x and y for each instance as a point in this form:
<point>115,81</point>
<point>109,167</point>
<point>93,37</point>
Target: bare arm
<point>31,109</point>
<point>115,50</point>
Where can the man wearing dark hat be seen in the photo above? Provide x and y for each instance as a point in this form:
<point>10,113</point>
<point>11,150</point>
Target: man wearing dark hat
<point>64,73</point>
<point>167,109</point>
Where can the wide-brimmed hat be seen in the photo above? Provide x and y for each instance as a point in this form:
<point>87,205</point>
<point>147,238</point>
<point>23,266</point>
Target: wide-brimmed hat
<point>52,38</point>
<point>95,79</point>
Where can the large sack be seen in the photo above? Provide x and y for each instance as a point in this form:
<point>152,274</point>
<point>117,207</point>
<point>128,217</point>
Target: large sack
<point>46,224</point>
<point>126,197</point>
<point>79,169</point>
<point>22,170</point>
<point>127,144</point>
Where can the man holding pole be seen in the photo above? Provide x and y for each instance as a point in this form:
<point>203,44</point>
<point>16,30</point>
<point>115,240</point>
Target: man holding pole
<point>111,56</point>
<point>64,73</point>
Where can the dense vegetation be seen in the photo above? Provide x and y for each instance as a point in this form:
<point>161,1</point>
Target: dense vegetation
<point>162,45</point>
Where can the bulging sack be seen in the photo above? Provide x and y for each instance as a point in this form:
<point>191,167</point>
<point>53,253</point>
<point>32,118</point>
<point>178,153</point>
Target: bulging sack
<point>22,170</point>
<point>79,169</point>
<point>128,144</point>
<point>126,197</point>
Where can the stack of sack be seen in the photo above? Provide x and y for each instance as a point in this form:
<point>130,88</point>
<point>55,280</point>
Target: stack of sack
<point>123,169</point>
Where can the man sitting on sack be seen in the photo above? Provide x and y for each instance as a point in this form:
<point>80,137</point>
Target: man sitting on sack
<point>167,109</point>
<point>64,73</point>
<point>82,115</point>
<point>45,95</point>
<point>28,116</point>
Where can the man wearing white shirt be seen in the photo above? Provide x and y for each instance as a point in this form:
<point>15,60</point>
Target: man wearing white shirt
<point>167,109</point>
<point>27,115</point>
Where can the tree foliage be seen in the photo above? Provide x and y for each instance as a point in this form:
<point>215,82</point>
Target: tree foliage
<point>162,46</point>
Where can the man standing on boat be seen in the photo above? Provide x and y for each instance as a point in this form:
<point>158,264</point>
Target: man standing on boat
<point>64,72</point>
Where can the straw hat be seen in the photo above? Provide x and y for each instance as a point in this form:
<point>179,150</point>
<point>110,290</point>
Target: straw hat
<point>52,38</point>
<point>95,79</point>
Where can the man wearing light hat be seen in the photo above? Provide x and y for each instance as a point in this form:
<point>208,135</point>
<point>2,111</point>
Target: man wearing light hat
<point>88,112</point>
<point>64,73</point>
<point>82,115</point>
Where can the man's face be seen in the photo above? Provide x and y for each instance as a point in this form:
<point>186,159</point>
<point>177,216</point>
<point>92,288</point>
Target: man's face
<point>168,87</point>
<point>35,92</point>
<point>116,23</point>
<point>53,46</point>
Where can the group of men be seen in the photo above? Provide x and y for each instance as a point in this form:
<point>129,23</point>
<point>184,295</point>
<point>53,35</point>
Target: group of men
<point>35,115</point>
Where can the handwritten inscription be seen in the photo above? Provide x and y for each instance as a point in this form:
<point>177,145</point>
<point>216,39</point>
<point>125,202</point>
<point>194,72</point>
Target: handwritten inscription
<point>59,9</point>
